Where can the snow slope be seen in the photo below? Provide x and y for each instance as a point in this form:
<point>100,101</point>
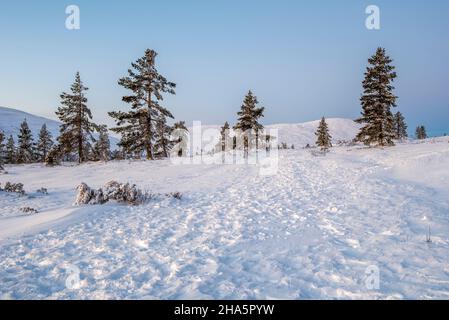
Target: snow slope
<point>10,120</point>
<point>311,231</point>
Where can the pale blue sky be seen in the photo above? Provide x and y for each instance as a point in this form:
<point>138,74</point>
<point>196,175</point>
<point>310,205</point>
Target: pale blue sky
<point>303,59</point>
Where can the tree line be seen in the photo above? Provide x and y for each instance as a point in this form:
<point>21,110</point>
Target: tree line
<point>145,132</point>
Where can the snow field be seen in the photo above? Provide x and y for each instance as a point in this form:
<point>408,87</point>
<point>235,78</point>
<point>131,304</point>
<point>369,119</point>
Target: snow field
<point>310,231</point>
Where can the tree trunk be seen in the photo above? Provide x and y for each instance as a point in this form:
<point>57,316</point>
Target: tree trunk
<point>149,144</point>
<point>80,132</point>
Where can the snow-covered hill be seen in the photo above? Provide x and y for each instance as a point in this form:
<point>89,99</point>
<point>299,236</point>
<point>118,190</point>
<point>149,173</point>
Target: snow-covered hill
<point>10,120</point>
<point>298,134</point>
<point>301,134</point>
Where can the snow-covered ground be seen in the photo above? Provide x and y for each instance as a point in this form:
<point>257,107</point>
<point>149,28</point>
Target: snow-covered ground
<point>310,231</point>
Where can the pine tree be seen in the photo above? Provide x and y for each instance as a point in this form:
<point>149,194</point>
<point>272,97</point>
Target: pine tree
<point>44,143</point>
<point>10,151</point>
<point>163,144</point>
<point>377,101</point>
<point>421,133</point>
<point>102,149</point>
<point>400,127</point>
<point>424,132</point>
<point>25,150</point>
<point>248,120</point>
<point>180,133</point>
<point>137,126</point>
<point>76,128</point>
<point>324,139</point>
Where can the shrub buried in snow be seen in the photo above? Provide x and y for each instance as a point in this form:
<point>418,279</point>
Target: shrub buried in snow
<point>120,192</point>
<point>13,187</point>
<point>28,210</point>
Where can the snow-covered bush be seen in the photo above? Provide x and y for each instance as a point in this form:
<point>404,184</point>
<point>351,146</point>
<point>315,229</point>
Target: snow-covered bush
<point>113,190</point>
<point>42,190</point>
<point>13,187</point>
<point>28,210</point>
<point>175,195</point>
<point>84,194</point>
<point>120,192</point>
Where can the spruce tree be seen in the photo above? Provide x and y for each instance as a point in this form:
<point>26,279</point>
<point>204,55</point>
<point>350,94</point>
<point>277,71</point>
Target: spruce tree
<point>76,128</point>
<point>102,149</point>
<point>324,139</point>
<point>180,133</point>
<point>44,143</point>
<point>10,151</point>
<point>137,126</point>
<point>400,127</point>
<point>248,120</point>
<point>25,149</point>
<point>53,156</point>
<point>421,133</point>
<point>377,101</point>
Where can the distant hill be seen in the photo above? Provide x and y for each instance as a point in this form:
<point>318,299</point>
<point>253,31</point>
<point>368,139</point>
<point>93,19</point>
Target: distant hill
<point>298,134</point>
<point>10,120</point>
<point>301,134</point>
